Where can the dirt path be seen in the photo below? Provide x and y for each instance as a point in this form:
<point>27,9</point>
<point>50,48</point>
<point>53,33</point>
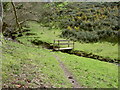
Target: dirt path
<point>67,73</point>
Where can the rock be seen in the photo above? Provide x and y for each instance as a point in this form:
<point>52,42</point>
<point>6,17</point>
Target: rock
<point>70,77</point>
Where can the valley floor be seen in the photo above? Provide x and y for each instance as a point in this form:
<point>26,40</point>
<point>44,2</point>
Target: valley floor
<point>28,65</point>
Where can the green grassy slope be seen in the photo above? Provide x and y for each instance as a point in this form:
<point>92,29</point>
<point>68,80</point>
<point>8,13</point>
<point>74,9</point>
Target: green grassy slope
<point>91,73</point>
<point>45,34</point>
<point>32,66</point>
<point>104,49</point>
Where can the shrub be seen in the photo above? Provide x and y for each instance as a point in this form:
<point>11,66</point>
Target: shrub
<point>85,36</point>
<point>91,36</point>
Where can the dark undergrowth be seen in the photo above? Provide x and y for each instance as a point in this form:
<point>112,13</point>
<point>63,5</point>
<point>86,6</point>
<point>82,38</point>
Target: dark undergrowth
<point>91,36</point>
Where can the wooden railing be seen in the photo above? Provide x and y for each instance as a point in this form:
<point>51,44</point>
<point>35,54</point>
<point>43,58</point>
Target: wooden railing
<point>70,44</point>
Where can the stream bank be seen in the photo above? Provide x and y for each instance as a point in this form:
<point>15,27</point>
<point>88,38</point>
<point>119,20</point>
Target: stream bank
<point>75,52</point>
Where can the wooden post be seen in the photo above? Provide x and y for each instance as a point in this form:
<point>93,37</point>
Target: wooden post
<point>68,43</point>
<point>58,45</point>
<point>54,45</point>
<point>73,44</point>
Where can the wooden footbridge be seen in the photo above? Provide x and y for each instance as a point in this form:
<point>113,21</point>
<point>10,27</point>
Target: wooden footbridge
<point>57,45</point>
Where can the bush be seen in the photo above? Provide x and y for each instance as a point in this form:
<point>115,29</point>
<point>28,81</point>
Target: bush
<point>91,36</point>
<point>85,36</point>
<point>108,35</point>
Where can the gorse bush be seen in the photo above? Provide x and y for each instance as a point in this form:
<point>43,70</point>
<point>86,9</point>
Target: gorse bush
<point>86,16</point>
<point>80,35</point>
<point>84,20</point>
<point>89,22</point>
<point>108,35</point>
<point>91,36</point>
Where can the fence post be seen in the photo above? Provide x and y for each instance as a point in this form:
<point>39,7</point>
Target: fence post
<point>58,45</point>
<point>73,44</point>
<point>68,43</point>
<point>54,45</point>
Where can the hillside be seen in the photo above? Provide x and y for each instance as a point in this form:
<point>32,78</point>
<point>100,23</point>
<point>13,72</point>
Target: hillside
<point>88,22</point>
<point>28,65</point>
<point>28,59</point>
<point>83,21</point>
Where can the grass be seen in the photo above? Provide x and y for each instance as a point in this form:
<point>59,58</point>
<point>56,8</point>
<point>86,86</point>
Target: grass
<point>30,66</point>
<point>29,63</point>
<point>104,49</point>
<point>91,73</point>
<point>45,34</point>
<point>33,66</point>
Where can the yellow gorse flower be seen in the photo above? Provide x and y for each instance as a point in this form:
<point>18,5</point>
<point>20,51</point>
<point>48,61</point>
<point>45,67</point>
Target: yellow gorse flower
<point>76,28</point>
<point>73,19</point>
<point>69,28</point>
<point>78,17</point>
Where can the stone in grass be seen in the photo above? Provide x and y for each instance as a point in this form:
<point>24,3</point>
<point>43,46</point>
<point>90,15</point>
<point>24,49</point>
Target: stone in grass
<point>70,77</point>
<point>73,81</point>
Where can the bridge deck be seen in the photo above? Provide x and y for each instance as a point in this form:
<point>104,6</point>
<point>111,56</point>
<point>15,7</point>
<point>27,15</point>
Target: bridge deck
<point>68,48</point>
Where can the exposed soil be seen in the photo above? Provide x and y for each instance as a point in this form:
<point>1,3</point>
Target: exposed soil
<point>67,73</point>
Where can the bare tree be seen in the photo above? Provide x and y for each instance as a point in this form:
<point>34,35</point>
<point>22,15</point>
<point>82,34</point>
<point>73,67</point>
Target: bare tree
<point>16,17</point>
<point>1,17</point>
